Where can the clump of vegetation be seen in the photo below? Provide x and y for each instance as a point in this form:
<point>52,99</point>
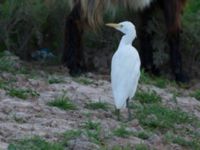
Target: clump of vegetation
<point>26,25</point>
<point>122,132</point>
<point>92,131</point>
<point>196,94</point>
<point>35,143</point>
<point>83,80</point>
<point>97,105</point>
<point>160,82</point>
<point>141,147</point>
<point>148,97</point>
<point>22,93</point>
<point>156,116</point>
<point>172,138</point>
<point>54,80</point>
<point>69,135</point>
<point>62,102</point>
<point>142,134</point>
<point>120,147</point>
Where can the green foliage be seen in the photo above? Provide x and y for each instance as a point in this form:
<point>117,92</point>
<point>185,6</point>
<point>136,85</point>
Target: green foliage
<point>91,125</point>
<point>190,37</point>
<point>26,25</point>
<point>119,147</point>
<point>83,80</point>
<point>10,63</point>
<point>156,116</point>
<point>196,94</point>
<point>122,132</point>
<point>53,80</point>
<point>160,82</point>
<point>22,93</point>
<point>35,143</point>
<point>69,135</point>
<point>148,97</point>
<point>92,131</point>
<point>62,102</point>
<point>141,147</point>
<point>171,138</point>
<point>97,105</point>
<point>142,134</point>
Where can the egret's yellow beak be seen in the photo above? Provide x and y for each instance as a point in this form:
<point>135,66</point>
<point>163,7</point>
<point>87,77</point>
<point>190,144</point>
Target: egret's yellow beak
<point>113,25</point>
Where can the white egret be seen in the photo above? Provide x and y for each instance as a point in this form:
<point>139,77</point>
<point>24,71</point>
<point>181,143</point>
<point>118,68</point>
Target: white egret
<point>125,68</point>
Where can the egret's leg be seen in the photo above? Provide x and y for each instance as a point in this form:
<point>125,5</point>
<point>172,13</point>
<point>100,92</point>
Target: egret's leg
<point>118,114</point>
<point>128,107</point>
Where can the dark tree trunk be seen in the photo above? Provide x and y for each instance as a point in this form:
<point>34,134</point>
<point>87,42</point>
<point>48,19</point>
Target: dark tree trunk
<point>73,50</point>
<point>172,13</point>
<point>146,49</point>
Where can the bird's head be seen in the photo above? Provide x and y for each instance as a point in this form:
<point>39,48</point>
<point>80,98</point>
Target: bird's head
<point>125,27</point>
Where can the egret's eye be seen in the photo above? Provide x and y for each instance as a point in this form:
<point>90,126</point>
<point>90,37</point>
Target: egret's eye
<point>121,26</point>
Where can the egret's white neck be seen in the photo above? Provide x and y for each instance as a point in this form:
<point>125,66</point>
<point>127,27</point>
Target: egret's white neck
<point>127,39</point>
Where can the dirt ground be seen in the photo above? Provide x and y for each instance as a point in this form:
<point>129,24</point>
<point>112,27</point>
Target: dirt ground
<point>25,118</point>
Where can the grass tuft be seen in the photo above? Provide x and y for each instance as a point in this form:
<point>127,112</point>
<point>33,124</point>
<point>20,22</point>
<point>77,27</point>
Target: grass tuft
<point>62,102</point>
<point>92,131</point>
<point>142,135</point>
<point>122,132</point>
<point>22,93</point>
<point>69,135</point>
<point>196,94</point>
<point>97,105</point>
<point>156,116</point>
<point>148,97</point>
<point>35,143</point>
<point>83,80</point>
<point>141,147</point>
<point>54,80</point>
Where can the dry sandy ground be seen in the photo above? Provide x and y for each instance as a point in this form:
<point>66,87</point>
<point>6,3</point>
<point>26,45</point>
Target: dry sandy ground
<point>26,118</point>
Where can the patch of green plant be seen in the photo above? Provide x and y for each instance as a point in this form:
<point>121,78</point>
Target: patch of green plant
<point>83,80</point>
<point>161,82</point>
<point>8,63</point>
<point>53,80</point>
<point>156,116</point>
<point>171,138</point>
<point>122,132</point>
<point>141,147</point>
<point>22,93</point>
<point>196,94</point>
<point>2,84</point>
<point>142,134</point>
<point>119,147</point>
<point>69,135</point>
<point>148,97</point>
<point>62,102</point>
<point>92,131</point>
<point>97,105</point>
<point>145,77</point>
<point>91,125</point>
<point>35,143</point>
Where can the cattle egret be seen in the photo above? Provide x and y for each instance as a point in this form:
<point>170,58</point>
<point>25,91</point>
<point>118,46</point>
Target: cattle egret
<point>125,67</point>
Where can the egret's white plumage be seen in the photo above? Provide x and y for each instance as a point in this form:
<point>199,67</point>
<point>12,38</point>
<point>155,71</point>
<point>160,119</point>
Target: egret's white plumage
<point>125,68</point>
